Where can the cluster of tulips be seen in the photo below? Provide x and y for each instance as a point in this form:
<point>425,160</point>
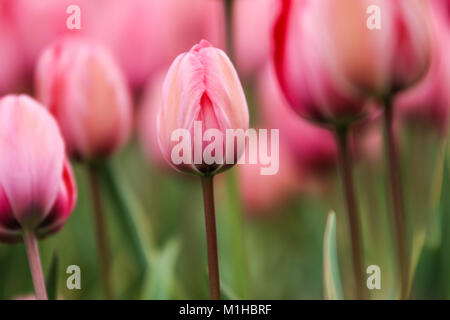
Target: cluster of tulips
<point>323,78</point>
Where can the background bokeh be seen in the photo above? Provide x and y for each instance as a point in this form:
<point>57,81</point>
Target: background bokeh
<point>270,228</point>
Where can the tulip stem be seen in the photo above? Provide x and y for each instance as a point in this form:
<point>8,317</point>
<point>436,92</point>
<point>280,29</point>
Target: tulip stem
<point>102,243</point>
<point>229,28</point>
<point>345,163</point>
<point>211,237</point>
<point>34,260</point>
<point>397,199</point>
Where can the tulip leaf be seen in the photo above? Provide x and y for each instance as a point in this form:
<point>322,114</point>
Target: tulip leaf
<point>233,226</point>
<point>130,217</point>
<point>51,280</point>
<point>160,281</point>
<point>227,292</point>
<point>332,282</point>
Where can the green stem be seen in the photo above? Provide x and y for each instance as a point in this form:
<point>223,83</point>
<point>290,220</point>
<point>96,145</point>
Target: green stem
<point>102,242</point>
<point>397,199</point>
<point>34,260</point>
<point>345,163</point>
<point>211,237</point>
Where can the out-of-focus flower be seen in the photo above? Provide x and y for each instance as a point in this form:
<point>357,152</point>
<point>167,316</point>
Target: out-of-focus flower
<point>39,23</point>
<point>428,103</point>
<point>378,61</point>
<point>146,35</point>
<point>264,193</point>
<point>307,152</point>
<point>12,59</point>
<point>203,87</point>
<point>307,69</point>
<point>252,30</point>
<point>147,119</point>
<point>367,136</point>
<point>37,187</point>
<point>443,7</point>
<point>313,148</point>
<point>81,84</point>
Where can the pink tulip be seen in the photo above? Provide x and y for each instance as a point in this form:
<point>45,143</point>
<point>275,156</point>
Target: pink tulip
<point>313,148</point>
<point>83,87</point>
<point>201,86</point>
<point>307,152</point>
<point>307,71</point>
<point>146,35</point>
<point>263,194</point>
<point>37,187</point>
<point>252,27</point>
<point>428,103</point>
<point>376,61</point>
<point>39,23</point>
<point>12,60</point>
<point>147,119</point>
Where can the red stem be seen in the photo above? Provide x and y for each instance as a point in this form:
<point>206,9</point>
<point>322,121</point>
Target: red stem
<point>211,237</point>
<point>34,260</point>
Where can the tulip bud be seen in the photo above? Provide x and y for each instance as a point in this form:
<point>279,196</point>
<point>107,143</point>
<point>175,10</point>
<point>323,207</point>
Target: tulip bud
<point>379,51</point>
<point>85,90</point>
<point>201,91</point>
<point>37,187</point>
<point>308,74</point>
<point>147,119</point>
<point>428,103</point>
<point>312,148</point>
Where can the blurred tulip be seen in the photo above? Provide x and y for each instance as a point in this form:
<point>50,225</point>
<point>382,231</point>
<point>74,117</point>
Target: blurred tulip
<point>39,23</point>
<point>84,88</point>
<point>378,61</point>
<point>12,60</point>
<point>201,85</point>
<point>428,103</point>
<point>37,187</point>
<point>264,193</point>
<point>367,136</point>
<point>252,22</point>
<point>156,31</point>
<point>308,71</point>
<point>313,148</point>
<point>147,119</point>
<point>307,152</point>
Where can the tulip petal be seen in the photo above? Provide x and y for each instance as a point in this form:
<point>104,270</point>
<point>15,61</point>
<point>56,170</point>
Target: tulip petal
<point>32,157</point>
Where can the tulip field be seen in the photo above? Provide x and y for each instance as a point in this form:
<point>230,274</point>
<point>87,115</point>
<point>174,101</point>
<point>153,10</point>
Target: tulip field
<point>224,150</point>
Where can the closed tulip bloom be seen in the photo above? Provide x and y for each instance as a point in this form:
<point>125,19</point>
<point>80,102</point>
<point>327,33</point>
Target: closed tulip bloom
<point>13,71</point>
<point>428,103</point>
<point>155,31</point>
<point>37,187</point>
<point>201,86</point>
<point>312,148</point>
<point>378,61</point>
<point>308,74</point>
<point>147,119</point>
<point>85,90</point>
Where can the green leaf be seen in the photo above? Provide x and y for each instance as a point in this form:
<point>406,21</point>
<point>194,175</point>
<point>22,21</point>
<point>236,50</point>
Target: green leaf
<point>160,281</point>
<point>233,227</point>
<point>332,282</point>
<point>51,280</point>
<point>130,216</point>
<point>227,293</point>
